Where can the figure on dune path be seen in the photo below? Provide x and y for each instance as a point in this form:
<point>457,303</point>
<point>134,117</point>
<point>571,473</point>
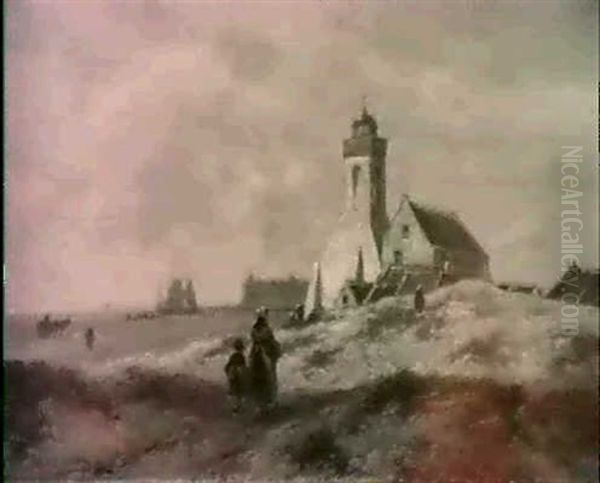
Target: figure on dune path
<point>264,354</point>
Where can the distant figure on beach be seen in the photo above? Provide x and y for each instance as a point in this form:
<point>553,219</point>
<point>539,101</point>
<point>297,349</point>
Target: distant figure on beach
<point>44,327</point>
<point>419,299</point>
<point>50,328</point>
<point>237,374</point>
<point>264,354</point>
<point>90,337</point>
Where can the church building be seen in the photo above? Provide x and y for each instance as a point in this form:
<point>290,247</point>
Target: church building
<point>370,255</point>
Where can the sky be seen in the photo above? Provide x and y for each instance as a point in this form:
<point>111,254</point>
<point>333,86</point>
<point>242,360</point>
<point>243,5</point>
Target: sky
<point>151,139</point>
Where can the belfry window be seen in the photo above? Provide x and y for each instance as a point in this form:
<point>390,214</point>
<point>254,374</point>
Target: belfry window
<point>355,179</point>
<point>364,130</point>
<point>405,231</point>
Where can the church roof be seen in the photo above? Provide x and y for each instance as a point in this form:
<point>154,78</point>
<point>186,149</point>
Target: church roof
<point>444,229</point>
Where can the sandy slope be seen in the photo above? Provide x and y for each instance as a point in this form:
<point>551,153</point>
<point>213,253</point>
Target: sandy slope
<point>479,388</point>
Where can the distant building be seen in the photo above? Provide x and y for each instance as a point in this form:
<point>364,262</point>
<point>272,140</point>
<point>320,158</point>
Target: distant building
<point>283,293</point>
<point>577,284</point>
<point>369,256</point>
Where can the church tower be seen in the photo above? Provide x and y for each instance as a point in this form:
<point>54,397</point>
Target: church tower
<point>364,157</point>
<point>353,252</point>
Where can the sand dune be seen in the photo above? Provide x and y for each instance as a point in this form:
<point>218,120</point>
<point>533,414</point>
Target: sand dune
<point>479,388</point>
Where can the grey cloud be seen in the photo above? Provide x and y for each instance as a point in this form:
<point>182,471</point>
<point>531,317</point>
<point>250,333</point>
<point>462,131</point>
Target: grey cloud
<point>250,55</point>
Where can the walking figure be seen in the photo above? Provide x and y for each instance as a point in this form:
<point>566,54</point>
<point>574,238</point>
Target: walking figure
<point>264,354</point>
<point>299,311</point>
<point>237,375</point>
<point>90,338</point>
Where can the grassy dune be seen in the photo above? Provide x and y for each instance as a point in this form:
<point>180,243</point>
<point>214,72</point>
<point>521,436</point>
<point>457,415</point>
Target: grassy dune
<point>481,388</point>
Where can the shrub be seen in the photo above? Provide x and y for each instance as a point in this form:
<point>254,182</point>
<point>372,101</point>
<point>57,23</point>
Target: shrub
<point>390,314</point>
<point>317,450</point>
<point>402,387</point>
<point>321,358</point>
<point>483,350</point>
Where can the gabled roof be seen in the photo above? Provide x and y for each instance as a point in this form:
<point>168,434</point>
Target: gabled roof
<point>444,228</point>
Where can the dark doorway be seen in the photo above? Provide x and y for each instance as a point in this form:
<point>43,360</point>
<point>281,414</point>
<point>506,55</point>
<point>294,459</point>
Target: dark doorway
<point>398,258</point>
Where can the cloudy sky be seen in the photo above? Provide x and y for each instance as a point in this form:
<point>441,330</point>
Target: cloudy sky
<point>153,138</point>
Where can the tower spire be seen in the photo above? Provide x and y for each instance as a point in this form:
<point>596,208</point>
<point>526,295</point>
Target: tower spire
<point>360,268</point>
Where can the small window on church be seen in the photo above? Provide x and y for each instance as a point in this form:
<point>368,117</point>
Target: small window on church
<point>405,231</point>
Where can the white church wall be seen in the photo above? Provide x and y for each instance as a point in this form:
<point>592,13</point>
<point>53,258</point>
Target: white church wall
<point>340,258</point>
<point>314,293</point>
<point>352,234</point>
<point>416,248</point>
<point>358,183</point>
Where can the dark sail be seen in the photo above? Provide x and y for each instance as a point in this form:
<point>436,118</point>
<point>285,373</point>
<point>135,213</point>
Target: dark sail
<point>181,298</point>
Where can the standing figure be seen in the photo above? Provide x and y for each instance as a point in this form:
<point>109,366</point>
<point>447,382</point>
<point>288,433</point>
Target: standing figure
<point>237,374</point>
<point>299,312</point>
<point>262,384</point>
<point>90,338</point>
<point>264,354</point>
<point>419,300</point>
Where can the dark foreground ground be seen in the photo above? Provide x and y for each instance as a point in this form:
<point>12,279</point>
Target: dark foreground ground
<point>465,430</point>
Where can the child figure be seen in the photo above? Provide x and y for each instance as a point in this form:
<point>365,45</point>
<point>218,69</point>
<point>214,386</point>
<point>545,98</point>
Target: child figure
<point>237,374</point>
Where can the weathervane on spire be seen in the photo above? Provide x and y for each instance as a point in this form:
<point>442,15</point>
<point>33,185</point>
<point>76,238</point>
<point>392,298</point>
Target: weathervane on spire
<point>364,103</point>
